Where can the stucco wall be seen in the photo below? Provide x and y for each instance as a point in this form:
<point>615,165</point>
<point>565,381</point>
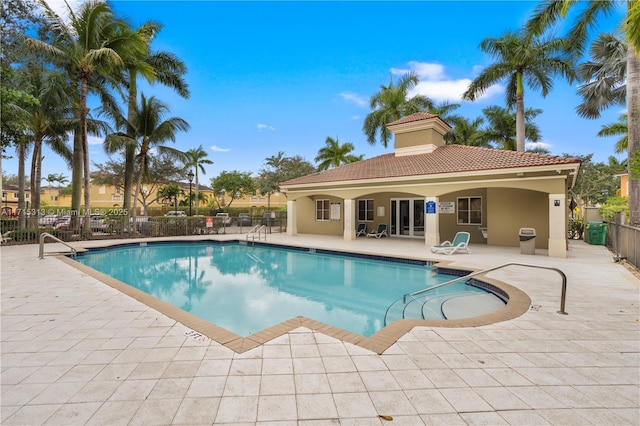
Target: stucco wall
<point>448,221</point>
<point>307,223</point>
<point>508,210</point>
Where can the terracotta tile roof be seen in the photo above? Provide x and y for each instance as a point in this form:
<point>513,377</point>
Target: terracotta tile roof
<point>418,116</point>
<point>443,160</point>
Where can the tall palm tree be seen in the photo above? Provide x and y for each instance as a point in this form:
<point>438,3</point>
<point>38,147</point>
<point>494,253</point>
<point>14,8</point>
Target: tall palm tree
<point>549,13</point>
<point>163,67</point>
<point>196,158</point>
<point>93,43</point>
<point>619,128</point>
<point>502,127</point>
<point>335,154</point>
<point>603,76</point>
<point>391,104</point>
<point>521,59</point>
<point>48,121</point>
<point>466,132</point>
<point>151,132</point>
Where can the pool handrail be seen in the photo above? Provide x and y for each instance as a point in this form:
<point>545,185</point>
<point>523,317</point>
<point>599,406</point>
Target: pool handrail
<point>257,230</point>
<point>484,271</point>
<point>44,235</point>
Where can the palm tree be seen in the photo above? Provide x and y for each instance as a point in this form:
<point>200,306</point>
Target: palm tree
<point>163,67</point>
<point>619,128</point>
<point>502,127</point>
<point>196,158</point>
<point>170,193</point>
<point>48,120</point>
<point>391,104</point>
<point>549,12</point>
<point>466,132</point>
<point>335,155</point>
<point>604,76</point>
<point>521,58</point>
<point>92,44</point>
<point>150,132</point>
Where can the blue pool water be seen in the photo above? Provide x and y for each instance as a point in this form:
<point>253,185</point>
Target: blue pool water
<point>248,288</point>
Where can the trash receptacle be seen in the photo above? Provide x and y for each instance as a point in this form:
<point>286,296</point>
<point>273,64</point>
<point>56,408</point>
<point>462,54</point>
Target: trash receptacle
<point>596,233</point>
<point>527,240</point>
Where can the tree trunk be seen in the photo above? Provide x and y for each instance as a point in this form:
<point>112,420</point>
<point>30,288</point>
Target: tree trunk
<point>36,171</point>
<point>197,199</point>
<point>22,211</point>
<point>633,112</point>
<point>130,149</point>
<point>76,178</point>
<point>519,115</point>
<point>85,157</point>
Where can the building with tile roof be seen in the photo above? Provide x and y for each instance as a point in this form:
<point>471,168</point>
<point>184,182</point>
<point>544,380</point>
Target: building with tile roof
<point>429,190</point>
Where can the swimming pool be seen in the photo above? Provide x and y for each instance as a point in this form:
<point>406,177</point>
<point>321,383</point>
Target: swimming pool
<point>246,289</point>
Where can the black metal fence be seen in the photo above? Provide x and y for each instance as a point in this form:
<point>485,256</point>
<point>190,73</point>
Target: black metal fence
<point>138,227</point>
<point>624,240</point>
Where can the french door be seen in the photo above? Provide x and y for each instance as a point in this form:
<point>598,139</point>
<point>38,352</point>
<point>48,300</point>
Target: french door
<point>407,217</point>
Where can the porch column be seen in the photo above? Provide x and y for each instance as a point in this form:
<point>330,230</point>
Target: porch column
<point>431,222</point>
<point>349,231</point>
<point>292,218</point>
<point>557,225</point>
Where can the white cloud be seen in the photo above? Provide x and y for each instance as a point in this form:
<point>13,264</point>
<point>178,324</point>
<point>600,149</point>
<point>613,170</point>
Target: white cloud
<point>543,145</point>
<point>355,117</point>
<point>94,140</point>
<point>355,98</point>
<point>435,84</point>
<point>265,127</point>
<point>218,149</point>
<point>60,8</point>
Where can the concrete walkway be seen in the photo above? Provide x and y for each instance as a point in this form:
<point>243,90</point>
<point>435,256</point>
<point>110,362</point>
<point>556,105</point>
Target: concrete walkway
<point>75,351</point>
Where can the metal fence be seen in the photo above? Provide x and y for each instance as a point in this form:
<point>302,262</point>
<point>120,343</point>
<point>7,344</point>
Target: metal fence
<point>138,227</point>
<point>624,240</point>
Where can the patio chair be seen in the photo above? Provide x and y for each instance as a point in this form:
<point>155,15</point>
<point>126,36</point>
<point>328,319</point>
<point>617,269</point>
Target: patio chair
<point>380,231</point>
<point>362,229</point>
<point>6,238</point>
<point>460,243</point>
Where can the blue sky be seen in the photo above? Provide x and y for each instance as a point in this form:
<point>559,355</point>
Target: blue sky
<point>282,76</point>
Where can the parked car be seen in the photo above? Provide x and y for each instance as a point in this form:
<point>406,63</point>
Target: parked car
<point>96,223</point>
<point>267,219</point>
<point>140,220</point>
<point>48,220</point>
<point>244,219</point>
<point>224,218</point>
<point>178,213</point>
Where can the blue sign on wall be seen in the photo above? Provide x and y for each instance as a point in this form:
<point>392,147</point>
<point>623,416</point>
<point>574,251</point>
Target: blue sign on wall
<point>430,207</point>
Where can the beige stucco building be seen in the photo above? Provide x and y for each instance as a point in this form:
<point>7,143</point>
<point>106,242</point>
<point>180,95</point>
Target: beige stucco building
<point>428,190</point>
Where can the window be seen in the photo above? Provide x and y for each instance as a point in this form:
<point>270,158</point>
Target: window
<point>322,210</point>
<point>26,195</point>
<point>102,190</point>
<point>469,211</point>
<point>365,210</point>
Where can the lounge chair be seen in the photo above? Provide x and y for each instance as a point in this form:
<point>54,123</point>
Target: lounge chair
<point>460,243</point>
<point>6,238</point>
<point>380,231</point>
<point>362,229</point>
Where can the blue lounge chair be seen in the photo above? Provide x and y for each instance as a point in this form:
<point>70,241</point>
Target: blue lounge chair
<point>460,243</point>
<point>381,231</point>
<point>362,229</point>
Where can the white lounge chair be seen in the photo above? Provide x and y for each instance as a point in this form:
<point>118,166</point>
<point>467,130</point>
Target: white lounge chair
<point>6,238</point>
<point>381,231</point>
<point>460,243</point>
<point>362,229</point>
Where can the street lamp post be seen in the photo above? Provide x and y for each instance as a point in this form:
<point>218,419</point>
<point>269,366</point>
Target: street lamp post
<point>190,177</point>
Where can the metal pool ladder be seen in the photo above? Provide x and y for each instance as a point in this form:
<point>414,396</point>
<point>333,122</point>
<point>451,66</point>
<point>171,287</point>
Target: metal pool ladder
<point>563,295</point>
<point>257,231</point>
<point>44,235</point>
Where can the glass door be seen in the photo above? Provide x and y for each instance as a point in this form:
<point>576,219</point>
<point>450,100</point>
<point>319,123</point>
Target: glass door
<point>407,217</point>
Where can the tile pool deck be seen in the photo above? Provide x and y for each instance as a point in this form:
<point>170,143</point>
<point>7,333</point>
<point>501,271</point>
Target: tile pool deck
<point>76,351</point>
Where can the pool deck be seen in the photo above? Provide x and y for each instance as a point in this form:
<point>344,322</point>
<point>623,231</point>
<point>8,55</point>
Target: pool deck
<point>76,351</point>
